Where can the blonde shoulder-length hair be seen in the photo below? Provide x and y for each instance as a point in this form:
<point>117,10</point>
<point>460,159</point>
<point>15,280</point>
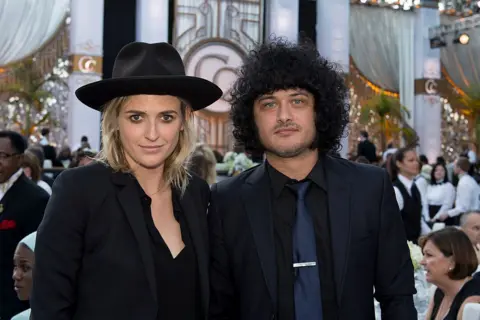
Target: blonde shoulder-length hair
<point>176,165</point>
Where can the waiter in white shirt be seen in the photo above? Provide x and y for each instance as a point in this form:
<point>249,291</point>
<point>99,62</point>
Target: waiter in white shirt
<point>468,192</point>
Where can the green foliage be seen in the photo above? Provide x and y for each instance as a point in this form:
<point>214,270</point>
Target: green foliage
<point>29,96</point>
<point>391,115</point>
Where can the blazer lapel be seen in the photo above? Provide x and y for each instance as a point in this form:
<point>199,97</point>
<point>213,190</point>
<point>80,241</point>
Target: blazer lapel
<point>129,199</point>
<point>256,197</point>
<point>339,211</point>
<point>191,214</point>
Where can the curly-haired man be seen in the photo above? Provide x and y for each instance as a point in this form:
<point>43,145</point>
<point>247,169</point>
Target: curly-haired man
<point>305,235</point>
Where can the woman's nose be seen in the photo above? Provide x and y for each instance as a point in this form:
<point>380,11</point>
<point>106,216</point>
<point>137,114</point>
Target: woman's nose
<point>17,275</point>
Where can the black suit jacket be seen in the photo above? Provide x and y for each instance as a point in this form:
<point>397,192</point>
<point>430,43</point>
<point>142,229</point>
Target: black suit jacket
<point>367,149</point>
<point>93,257</point>
<point>22,210</point>
<point>368,244</point>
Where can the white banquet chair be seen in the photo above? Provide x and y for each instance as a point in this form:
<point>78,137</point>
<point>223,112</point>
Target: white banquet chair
<point>471,311</point>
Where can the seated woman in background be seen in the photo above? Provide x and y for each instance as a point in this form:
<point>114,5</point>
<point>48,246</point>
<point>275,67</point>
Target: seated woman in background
<point>450,260</point>
<point>203,162</point>
<point>24,263</point>
<point>31,168</point>
<point>440,192</point>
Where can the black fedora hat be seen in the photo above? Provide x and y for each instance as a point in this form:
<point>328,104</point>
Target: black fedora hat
<point>142,68</point>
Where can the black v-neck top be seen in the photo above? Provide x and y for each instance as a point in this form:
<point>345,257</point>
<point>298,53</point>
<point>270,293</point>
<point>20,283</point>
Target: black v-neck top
<point>470,288</point>
<point>178,290</point>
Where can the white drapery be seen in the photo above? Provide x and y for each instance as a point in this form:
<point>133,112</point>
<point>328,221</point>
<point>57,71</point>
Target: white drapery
<point>382,47</point>
<point>462,62</point>
<point>26,25</point>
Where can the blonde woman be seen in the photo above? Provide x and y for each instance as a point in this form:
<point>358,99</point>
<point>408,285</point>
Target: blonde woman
<point>203,163</point>
<point>125,237</point>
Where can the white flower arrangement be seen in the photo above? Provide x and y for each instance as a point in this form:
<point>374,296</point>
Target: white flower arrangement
<point>229,157</point>
<point>240,164</point>
<point>235,163</point>
<point>422,297</point>
<point>416,255</point>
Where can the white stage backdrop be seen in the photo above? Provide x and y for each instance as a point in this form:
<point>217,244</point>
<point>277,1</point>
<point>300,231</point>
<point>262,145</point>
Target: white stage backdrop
<point>382,47</point>
<point>26,25</point>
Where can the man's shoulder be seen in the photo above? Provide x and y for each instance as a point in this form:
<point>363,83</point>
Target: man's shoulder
<point>197,185</point>
<point>235,183</point>
<point>30,189</point>
<point>355,170</point>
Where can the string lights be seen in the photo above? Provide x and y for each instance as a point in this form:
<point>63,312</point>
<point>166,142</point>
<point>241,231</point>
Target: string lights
<point>394,4</point>
<point>463,8</point>
<point>455,131</point>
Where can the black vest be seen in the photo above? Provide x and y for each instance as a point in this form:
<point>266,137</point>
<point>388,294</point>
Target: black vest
<point>411,212</point>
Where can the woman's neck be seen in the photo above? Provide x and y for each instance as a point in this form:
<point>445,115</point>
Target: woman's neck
<point>452,287</point>
<point>151,180</point>
<point>407,176</point>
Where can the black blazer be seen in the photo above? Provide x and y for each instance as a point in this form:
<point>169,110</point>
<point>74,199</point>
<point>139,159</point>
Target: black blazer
<point>367,149</point>
<point>22,209</point>
<point>92,253</point>
<point>368,244</point>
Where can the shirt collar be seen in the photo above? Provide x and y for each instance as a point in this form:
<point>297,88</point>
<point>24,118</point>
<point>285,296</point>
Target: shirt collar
<point>406,182</point>
<point>279,180</point>
<point>4,187</point>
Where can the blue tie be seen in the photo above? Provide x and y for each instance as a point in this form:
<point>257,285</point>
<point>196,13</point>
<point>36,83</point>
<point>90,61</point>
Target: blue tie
<point>308,298</point>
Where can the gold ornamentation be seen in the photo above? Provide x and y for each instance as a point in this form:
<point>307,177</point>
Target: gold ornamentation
<point>87,64</point>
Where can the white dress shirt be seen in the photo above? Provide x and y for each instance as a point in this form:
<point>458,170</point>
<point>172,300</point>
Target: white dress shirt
<point>4,187</point>
<point>421,184</point>
<point>45,186</point>
<point>25,315</point>
<point>472,157</point>
<point>441,195</point>
<point>468,196</point>
<point>408,185</point>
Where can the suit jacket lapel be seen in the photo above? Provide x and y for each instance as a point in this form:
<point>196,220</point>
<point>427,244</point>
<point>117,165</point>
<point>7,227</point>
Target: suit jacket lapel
<point>199,242</point>
<point>129,199</point>
<point>256,197</point>
<point>339,211</point>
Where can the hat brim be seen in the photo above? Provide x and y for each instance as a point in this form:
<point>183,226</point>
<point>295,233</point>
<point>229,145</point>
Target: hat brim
<point>198,92</point>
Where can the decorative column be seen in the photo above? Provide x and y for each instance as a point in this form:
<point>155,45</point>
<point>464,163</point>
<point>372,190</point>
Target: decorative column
<point>333,38</point>
<point>86,48</point>
<point>281,19</point>
<point>427,114</point>
<point>152,21</point>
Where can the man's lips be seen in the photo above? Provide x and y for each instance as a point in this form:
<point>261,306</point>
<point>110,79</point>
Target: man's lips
<point>285,130</point>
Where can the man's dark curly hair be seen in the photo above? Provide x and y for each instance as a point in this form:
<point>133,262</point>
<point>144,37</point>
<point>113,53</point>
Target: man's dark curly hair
<point>280,65</point>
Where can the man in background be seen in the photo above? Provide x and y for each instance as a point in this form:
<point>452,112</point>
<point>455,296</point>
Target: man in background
<point>470,224</point>
<point>366,148</point>
<point>22,203</point>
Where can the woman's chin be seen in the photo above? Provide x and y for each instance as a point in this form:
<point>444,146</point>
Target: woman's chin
<point>429,278</point>
<point>22,297</point>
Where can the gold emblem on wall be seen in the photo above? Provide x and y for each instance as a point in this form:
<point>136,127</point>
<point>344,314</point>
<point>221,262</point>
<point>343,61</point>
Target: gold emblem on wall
<point>87,64</point>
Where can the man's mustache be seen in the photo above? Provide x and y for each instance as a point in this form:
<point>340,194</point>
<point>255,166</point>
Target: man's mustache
<point>287,126</point>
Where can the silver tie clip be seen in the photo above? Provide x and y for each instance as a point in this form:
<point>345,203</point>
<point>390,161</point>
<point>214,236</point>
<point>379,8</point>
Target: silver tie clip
<point>304,264</point>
